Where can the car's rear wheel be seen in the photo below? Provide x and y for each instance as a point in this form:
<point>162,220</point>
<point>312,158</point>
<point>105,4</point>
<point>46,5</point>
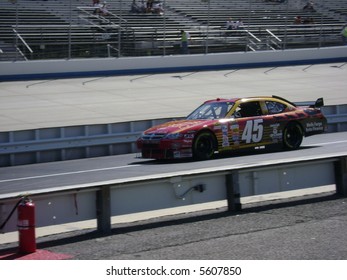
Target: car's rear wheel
<point>204,146</point>
<point>292,136</point>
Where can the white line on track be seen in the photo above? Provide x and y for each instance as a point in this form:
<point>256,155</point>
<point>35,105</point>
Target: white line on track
<point>67,173</point>
<point>327,143</point>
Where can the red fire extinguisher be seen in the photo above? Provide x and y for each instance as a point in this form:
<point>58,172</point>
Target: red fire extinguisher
<point>26,226</point>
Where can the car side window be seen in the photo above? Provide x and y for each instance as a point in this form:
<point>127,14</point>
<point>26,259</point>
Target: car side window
<point>274,107</point>
<point>248,109</point>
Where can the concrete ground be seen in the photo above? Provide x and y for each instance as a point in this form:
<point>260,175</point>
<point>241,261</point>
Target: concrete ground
<point>67,102</point>
<point>311,228</point>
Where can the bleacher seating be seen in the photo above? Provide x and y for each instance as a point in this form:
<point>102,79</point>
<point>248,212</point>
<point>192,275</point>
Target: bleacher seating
<point>39,29</point>
<point>338,7</point>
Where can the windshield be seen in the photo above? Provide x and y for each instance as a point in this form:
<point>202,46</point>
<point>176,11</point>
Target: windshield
<point>217,110</point>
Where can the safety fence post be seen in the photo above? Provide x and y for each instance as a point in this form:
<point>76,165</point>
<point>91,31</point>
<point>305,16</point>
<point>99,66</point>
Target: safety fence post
<point>103,210</point>
<point>233,191</point>
<point>341,176</point>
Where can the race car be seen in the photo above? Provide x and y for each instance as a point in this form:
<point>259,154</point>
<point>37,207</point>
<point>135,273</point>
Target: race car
<point>226,125</point>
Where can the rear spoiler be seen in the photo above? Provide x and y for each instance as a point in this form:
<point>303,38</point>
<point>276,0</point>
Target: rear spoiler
<point>312,104</point>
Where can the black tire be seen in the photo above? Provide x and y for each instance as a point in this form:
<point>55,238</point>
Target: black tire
<point>292,136</point>
<point>204,146</point>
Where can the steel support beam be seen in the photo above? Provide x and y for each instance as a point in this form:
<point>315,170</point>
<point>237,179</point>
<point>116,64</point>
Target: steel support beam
<point>233,191</point>
<point>341,176</point>
<point>103,210</point>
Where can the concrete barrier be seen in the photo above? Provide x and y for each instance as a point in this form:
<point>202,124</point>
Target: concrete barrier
<point>44,69</point>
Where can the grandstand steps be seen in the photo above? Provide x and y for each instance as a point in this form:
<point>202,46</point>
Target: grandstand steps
<point>10,53</point>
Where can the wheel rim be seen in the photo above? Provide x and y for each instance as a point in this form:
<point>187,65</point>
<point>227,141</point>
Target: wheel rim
<point>293,136</point>
<point>203,148</point>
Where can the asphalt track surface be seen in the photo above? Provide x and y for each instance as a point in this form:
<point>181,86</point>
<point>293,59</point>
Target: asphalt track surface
<point>27,178</point>
<point>312,227</point>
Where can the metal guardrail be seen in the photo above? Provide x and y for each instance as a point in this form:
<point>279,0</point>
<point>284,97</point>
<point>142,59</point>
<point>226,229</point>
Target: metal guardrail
<point>337,117</point>
<point>178,189</point>
<point>74,142</point>
<point>65,143</point>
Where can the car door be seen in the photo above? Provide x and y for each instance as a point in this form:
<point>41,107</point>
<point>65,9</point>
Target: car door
<point>248,129</point>
<point>277,114</point>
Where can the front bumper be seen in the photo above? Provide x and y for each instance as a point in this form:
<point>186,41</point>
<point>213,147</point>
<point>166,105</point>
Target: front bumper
<point>164,149</point>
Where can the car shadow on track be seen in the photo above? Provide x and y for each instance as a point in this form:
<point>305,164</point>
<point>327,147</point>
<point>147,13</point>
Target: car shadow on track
<point>226,155</point>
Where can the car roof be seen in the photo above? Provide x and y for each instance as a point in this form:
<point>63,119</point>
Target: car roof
<point>222,100</point>
<point>273,97</point>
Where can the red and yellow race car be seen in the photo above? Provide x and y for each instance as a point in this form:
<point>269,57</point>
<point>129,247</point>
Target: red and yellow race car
<point>223,125</point>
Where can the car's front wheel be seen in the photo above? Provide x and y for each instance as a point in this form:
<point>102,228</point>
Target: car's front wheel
<point>204,146</point>
<point>292,136</point>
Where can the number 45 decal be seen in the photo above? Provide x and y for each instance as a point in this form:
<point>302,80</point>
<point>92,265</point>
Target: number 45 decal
<point>253,131</point>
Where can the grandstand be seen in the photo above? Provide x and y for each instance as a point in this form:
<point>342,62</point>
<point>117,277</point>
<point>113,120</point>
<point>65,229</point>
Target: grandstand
<point>63,29</point>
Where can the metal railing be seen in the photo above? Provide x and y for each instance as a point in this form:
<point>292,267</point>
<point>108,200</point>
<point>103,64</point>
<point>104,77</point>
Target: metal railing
<point>24,43</point>
<point>273,42</point>
<point>92,40</point>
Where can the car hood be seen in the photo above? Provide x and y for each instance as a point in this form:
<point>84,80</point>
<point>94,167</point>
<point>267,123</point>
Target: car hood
<point>179,126</point>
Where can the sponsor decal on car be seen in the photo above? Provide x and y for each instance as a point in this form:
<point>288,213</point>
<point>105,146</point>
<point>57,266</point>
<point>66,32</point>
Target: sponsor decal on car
<point>276,134</point>
<point>235,134</point>
<point>225,142</point>
<point>314,126</point>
